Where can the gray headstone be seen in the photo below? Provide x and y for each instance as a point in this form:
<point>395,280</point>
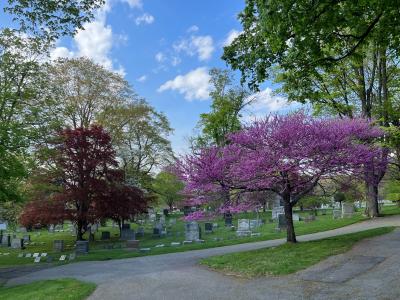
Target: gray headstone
<point>347,210</point>
<point>276,211</point>
<point>243,227</point>
<point>208,227</point>
<point>17,243</point>
<point>58,245</point>
<point>127,234</point>
<point>192,231</point>
<point>105,235</point>
<point>282,221</point>
<point>82,247</point>
<point>336,214</point>
<point>296,217</point>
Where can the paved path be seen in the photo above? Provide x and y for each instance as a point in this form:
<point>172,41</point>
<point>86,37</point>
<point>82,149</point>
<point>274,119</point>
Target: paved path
<point>177,276</point>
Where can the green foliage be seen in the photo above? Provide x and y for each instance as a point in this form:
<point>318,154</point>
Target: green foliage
<point>140,136</point>
<point>391,190</point>
<point>224,118</point>
<point>58,289</point>
<point>24,113</point>
<point>51,18</point>
<point>287,258</point>
<point>339,197</point>
<point>168,187</point>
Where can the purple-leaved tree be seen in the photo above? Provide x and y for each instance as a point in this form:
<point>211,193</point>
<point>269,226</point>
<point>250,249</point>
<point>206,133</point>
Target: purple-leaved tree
<point>284,154</point>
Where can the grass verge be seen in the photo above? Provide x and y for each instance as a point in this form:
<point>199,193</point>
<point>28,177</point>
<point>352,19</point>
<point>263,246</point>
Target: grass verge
<point>286,258</point>
<point>59,289</point>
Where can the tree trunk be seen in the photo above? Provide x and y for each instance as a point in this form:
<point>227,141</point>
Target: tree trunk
<point>372,200</point>
<point>79,234</point>
<point>120,227</point>
<point>290,234</point>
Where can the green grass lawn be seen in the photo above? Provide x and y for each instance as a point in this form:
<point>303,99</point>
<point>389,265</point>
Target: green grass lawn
<point>44,240</point>
<point>60,289</point>
<point>287,258</point>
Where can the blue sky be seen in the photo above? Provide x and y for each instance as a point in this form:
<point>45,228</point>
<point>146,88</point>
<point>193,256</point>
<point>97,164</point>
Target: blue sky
<point>165,48</point>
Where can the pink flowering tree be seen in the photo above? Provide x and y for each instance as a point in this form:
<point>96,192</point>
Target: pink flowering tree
<point>288,155</point>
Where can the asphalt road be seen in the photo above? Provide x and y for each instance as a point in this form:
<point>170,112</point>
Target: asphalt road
<point>371,270</point>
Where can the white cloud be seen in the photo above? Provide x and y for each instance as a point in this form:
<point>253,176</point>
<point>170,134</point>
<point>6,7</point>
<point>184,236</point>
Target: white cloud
<point>175,61</point>
<point>193,28</point>
<point>134,3</point>
<point>144,19</point>
<point>233,34</point>
<point>142,78</point>
<point>160,57</point>
<point>202,45</point>
<point>194,85</point>
<point>96,40</point>
<point>264,102</point>
<point>59,52</point>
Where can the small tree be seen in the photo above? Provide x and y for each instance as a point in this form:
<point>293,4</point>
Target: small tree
<point>284,154</point>
<point>85,157</point>
<point>169,188</point>
<point>122,202</point>
<point>339,197</point>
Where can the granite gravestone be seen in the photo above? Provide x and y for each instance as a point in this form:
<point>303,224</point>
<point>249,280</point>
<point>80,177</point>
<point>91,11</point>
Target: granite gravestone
<point>208,227</point>
<point>255,223</point>
<point>347,210</point>
<point>27,238</point>
<point>282,224</point>
<point>127,233</point>
<point>6,240</point>
<point>140,232</point>
<point>228,219</point>
<point>17,243</point>
<point>105,235</point>
<point>295,217</point>
<point>243,227</point>
<point>82,247</point>
<point>276,211</point>
<point>192,231</point>
<point>336,214</point>
<point>58,245</point>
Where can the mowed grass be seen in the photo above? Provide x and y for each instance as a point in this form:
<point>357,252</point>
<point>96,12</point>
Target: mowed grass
<point>44,240</point>
<point>286,258</point>
<point>59,289</point>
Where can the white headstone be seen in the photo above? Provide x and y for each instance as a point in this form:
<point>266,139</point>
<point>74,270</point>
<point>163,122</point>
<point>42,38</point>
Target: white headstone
<point>37,259</point>
<point>62,257</point>
<point>35,254</point>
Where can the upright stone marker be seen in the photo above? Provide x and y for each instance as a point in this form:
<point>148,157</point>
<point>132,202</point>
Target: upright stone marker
<point>228,219</point>
<point>82,247</point>
<point>208,227</point>
<point>243,227</point>
<point>192,231</point>
<point>105,235</point>
<point>58,245</point>
<point>347,210</point>
<point>282,224</point>
<point>17,243</point>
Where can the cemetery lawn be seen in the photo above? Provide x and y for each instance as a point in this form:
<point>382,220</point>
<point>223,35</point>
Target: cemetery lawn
<point>60,289</point>
<point>42,240</point>
<point>286,258</point>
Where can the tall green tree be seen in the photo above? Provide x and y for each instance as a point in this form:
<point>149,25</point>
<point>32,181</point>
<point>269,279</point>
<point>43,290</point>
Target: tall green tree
<point>228,101</point>
<point>51,19</point>
<point>340,56</point>
<point>168,187</point>
<point>140,135</point>
<point>23,112</point>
